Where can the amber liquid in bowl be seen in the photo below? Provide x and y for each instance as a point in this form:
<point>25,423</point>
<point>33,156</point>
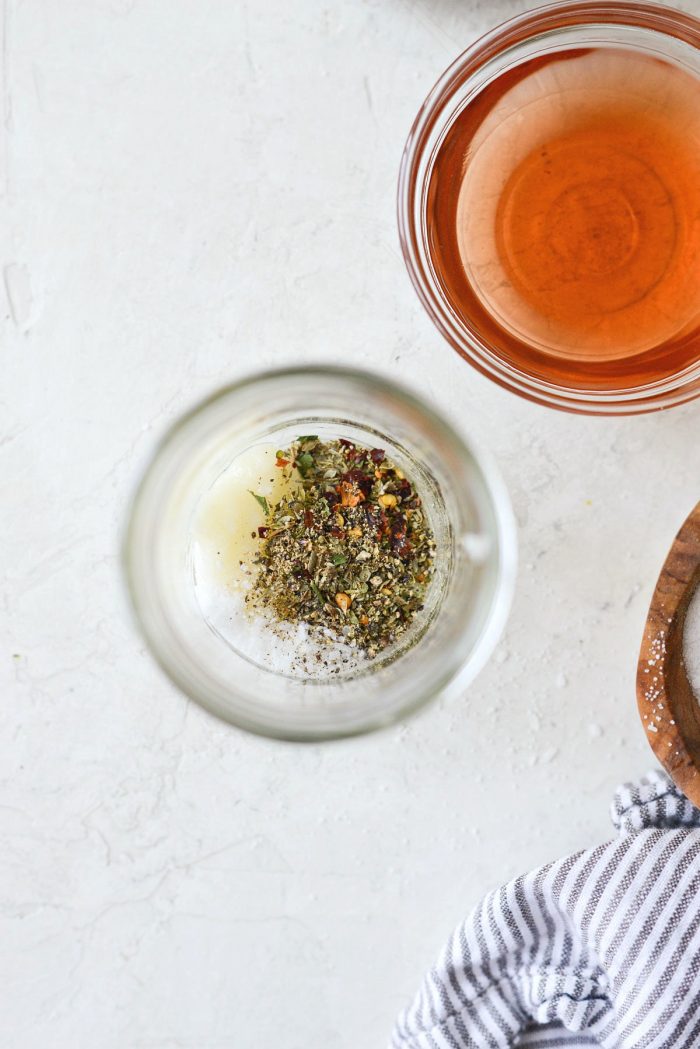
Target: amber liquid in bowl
<point>563,217</point>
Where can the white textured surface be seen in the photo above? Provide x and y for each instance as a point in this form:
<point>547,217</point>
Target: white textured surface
<point>188,189</point>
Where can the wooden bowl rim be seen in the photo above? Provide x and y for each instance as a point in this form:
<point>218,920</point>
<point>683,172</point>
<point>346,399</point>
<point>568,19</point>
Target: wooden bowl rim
<point>669,710</point>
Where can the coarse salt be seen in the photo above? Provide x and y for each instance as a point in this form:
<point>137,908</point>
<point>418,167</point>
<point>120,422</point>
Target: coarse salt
<point>294,649</point>
<point>691,643</point>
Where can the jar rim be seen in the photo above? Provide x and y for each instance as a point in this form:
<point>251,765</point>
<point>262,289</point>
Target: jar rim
<point>138,556</point>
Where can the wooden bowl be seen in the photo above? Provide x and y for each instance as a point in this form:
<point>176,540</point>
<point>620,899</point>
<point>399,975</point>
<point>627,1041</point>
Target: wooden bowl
<point>667,706</point>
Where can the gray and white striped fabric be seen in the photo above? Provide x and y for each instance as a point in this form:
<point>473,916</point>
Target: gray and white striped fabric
<point>600,948</point>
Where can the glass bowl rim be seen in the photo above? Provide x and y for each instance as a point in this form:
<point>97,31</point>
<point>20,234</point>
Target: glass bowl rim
<point>677,389</point>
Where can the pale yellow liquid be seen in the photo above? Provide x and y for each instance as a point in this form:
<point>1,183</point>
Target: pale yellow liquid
<point>226,525</point>
<point>225,542</point>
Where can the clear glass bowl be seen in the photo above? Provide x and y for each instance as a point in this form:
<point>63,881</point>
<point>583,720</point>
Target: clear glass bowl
<point>655,30</point>
<point>463,497</point>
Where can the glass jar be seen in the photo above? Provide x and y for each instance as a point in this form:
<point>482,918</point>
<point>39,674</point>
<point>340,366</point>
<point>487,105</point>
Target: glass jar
<point>653,30</point>
<point>464,501</point>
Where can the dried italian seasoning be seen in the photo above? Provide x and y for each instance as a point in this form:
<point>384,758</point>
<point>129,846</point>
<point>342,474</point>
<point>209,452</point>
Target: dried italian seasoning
<point>349,549</point>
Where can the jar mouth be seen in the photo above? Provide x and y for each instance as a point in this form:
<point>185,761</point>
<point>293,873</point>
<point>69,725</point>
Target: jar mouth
<point>320,651</point>
<point>545,30</point>
<point>462,626</point>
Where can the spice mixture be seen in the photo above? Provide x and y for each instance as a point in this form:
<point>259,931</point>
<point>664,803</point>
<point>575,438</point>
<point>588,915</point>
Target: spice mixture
<point>349,550</point>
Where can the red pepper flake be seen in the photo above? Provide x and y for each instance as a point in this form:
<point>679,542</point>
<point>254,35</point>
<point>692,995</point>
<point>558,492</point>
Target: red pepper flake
<point>360,479</point>
<point>350,451</point>
<point>377,455</point>
<point>282,462</point>
<point>262,531</point>
<point>378,519</point>
<point>399,540</point>
<point>350,494</point>
<point>308,518</point>
<point>337,533</point>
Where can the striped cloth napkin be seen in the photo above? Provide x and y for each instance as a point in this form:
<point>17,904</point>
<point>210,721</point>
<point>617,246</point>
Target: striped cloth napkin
<point>600,948</point>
